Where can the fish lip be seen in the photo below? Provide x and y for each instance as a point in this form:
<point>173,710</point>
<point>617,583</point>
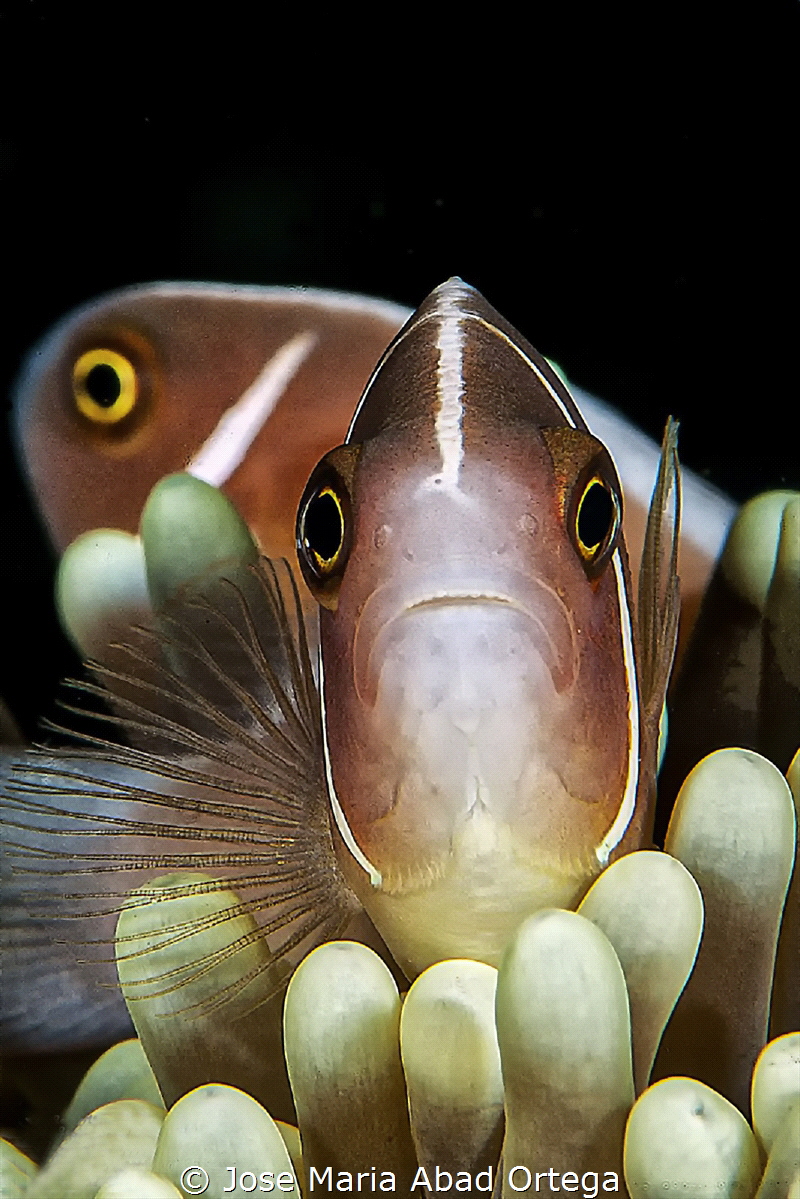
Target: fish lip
<point>460,596</point>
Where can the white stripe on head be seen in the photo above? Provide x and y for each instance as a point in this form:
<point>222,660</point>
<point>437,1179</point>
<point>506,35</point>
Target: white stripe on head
<point>450,386</point>
<point>226,447</point>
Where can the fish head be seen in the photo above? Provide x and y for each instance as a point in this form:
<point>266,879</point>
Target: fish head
<point>478,680</point>
<point>244,387</point>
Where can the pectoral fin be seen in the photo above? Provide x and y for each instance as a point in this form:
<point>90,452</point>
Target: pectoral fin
<point>234,788</point>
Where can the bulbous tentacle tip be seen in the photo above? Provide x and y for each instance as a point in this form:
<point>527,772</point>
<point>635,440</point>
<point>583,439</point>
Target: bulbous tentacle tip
<point>194,963</point>
<point>572,1037</point>
<point>749,558</point>
<point>733,827</point>
<point>628,902</point>
<point>122,1072</point>
<point>216,1129</point>
<point>682,1135</point>
<point>451,1061</point>
<point>101,590</point>
<point>341,1038</point>
<point>775,1087</point>
<point>117,1136</point>
<point>189,530</point>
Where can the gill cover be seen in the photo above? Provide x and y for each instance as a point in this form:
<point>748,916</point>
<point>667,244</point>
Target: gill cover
<point>485,753</point>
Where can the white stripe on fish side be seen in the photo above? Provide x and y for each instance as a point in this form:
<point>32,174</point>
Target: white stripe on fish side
<point>375,876</point>
<point>226,446</point>
<point>626,807</point>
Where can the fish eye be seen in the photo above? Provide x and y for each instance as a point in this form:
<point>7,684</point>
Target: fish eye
<point>323,529</point>
<point>323,534</point>
<point>597,518</point>
<point>104,386</point>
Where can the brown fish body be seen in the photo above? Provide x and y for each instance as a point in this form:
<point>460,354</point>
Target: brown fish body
<point>480,699</point>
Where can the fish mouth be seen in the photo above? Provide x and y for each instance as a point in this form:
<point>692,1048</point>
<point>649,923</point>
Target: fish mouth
<point>548,623</point>
<point>442,598</point>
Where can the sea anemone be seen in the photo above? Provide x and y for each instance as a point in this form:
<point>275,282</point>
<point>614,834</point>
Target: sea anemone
<point>586,1063</point>
<point>475,1075</point>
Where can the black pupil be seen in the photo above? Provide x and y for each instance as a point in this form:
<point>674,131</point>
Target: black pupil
<point>103,385</point>
<point>323,526</point>
<point>596,516</point>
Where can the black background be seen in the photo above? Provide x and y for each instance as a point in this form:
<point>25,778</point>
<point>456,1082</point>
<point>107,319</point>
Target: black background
<point>618,183</point>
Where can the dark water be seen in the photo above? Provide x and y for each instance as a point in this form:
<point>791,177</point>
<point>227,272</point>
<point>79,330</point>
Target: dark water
<point>631,216</point>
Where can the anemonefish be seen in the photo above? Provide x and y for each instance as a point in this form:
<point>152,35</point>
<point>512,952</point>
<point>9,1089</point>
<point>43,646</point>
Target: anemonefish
<point>477,741</point>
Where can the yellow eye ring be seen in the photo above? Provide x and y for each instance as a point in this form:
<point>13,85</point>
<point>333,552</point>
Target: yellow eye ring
<point>104,386</point>
<point>596,518</point>
<point>323,528</point>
